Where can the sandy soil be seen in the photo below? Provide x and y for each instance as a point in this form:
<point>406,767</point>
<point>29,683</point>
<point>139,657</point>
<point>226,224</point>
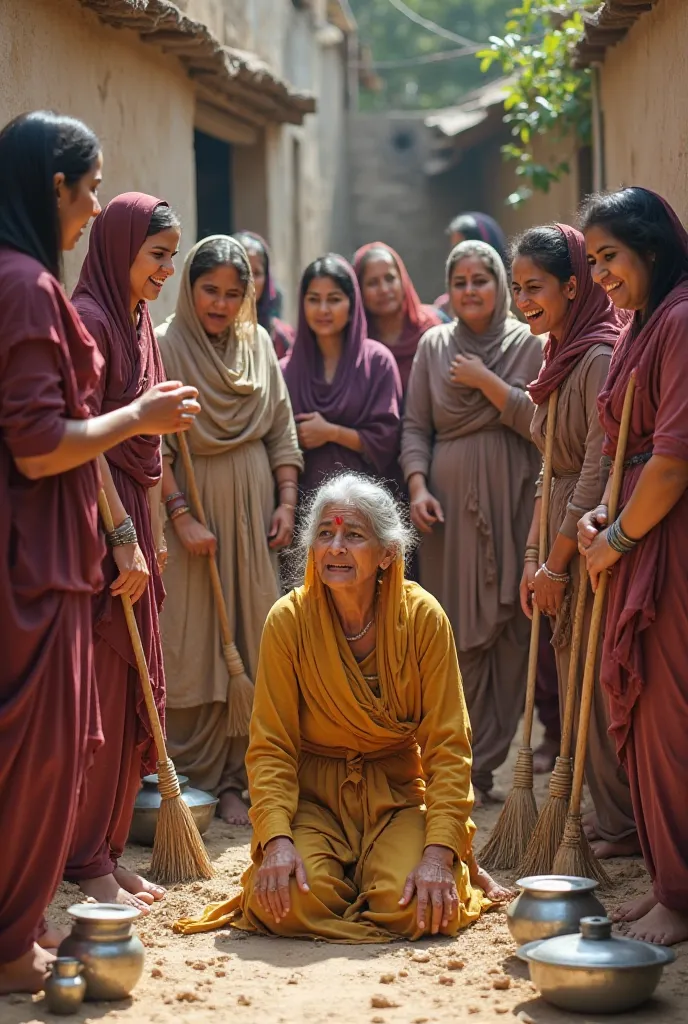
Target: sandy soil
<point>226,975</point>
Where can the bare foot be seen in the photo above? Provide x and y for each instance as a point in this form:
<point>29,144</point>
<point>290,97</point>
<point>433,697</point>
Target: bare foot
<point>545,756</point>
<point>628,847</point>
<point>53,936</point>
<point>28,973</point>
<point>484,798</point>
<point>232,809</point>
<point>106,890</point>
<point>634,909</point>
<point>136,884</point>
<point>660,925</point>
<point>493,890</point>
<point>590,826</point>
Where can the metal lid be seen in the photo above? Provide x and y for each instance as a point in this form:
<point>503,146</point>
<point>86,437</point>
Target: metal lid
<point>595,946</point>
<point>556,884</point>
<point>113,913</point>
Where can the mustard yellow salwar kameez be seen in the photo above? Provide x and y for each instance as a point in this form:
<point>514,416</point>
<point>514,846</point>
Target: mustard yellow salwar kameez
<point>361,765</point>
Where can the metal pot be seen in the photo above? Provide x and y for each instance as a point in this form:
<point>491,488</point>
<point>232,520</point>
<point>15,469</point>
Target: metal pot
<point>147,806</point>
<point>595,971</point>
<point>550,905</point>
<point>65,988</point>
<point>103,941</point>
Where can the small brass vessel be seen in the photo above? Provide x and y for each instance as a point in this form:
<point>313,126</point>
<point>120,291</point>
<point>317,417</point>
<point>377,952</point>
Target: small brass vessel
<point>550,905</point>
<point>65,988</point>
<point>111,954</point>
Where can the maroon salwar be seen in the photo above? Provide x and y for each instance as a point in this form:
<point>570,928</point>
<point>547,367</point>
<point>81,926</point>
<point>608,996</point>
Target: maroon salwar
<point>644,654</point>
<point>133,365</point>
<point>50,557</point>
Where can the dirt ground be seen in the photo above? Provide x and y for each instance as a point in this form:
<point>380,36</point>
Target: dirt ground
<point>226,975</point>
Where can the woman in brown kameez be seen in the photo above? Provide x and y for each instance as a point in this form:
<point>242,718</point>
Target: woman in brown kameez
<point>245,452</point>
<point>638,250</point>
<point>471,470</point>
<point>553,289</point>
<point>50,549</point>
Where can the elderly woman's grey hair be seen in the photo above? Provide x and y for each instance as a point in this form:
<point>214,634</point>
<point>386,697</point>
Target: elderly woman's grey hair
<point>387,518</point>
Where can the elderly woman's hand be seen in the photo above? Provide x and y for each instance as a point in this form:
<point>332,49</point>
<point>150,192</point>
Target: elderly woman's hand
<point>280,862</point>
<point>433,880</point>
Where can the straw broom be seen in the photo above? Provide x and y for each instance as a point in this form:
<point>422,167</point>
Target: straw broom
<point>575,856</point>
<point>545,840</point>
<point>507,844</point>
<point>240,695</point>
<point>178,851</point>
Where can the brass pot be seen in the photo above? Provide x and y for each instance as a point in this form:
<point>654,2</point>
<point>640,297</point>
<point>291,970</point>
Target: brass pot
<point>550,905</point>
<point>65,988</point>
<point>595,971</point>
<point>147,807</point>
<point>103,941</point>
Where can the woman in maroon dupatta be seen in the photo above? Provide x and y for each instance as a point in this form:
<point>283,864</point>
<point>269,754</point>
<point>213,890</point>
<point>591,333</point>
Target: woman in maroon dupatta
<point>344,388</point>
<point>267,295</point>
<point>638,250</point>
<point>396,316</point>
<point>553,289</point>
<point>50,548</point>
<point>129,259</point>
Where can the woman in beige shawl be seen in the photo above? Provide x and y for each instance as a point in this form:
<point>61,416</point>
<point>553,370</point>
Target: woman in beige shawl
<point>245,452</point>
<point>471,469</point>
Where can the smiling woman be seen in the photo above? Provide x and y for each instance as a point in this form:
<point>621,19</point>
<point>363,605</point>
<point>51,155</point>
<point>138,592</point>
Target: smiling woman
<point>130,255</point>
<point>360,752</point>
<point>471,468</point>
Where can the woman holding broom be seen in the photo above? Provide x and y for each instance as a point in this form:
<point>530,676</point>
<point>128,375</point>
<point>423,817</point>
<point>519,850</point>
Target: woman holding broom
<point>638,250</point>
<point>553,289</point>
<point>129,258</point>
<point>471,469</point>
<point>52,552</point>
<point>245,461</point>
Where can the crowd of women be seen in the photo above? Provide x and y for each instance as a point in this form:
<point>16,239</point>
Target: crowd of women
<point>446,404</point>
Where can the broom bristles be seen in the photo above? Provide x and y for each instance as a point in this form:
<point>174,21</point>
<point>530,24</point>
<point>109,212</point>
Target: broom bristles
<point>506,846</point>
<point>549,831</point>
<point>239,705</point>
<point>575,856</point>
<point>179,854</point>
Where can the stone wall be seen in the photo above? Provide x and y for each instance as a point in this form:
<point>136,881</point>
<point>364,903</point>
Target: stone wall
<point>140,103</point>
<point>643,94</point>
<point>393,200</point>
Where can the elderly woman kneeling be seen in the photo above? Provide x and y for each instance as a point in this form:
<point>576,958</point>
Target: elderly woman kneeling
<point>359,761</point>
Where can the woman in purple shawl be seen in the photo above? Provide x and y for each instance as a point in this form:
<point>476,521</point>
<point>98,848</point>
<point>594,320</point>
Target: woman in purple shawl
<point>268,299</point>
<point>345,388</point>
<point>129,259</point>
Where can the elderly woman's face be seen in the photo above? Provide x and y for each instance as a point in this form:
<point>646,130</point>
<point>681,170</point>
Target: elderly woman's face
<point>346,551</point>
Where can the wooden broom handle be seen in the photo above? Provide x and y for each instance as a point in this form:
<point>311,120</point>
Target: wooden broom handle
<point>197,504</point>
<point>574,658</point>
<point>598,607</point>
<point>135,636</point>
<point>534,649</point>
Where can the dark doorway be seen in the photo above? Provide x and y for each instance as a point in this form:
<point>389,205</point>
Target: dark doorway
<point>214,214</point>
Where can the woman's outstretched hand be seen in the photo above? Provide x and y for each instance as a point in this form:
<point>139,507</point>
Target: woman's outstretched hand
<point>280,862</point>
<point>433,881</point>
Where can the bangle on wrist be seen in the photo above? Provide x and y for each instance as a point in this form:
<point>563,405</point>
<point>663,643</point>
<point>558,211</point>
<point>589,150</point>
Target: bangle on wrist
<point>555,577</point>
<point>618,540</point>
<point>177,512</point>
<point>285,504</point>
<point>125,533</point>
<point>173,497</point>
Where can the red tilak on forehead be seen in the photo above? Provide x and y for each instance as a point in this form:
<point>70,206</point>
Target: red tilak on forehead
<point>338,520</point>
